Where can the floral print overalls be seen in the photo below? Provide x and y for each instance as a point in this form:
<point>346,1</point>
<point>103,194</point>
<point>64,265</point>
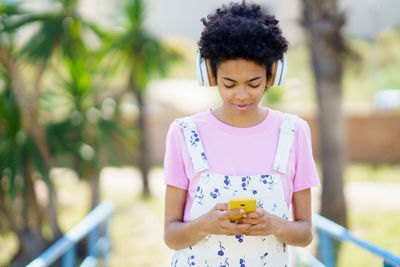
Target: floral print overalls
<point>213,188</point>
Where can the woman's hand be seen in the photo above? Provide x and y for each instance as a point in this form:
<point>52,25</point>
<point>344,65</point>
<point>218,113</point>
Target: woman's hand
<point>261,222</point>
<point>217,221</point>
<point>296,233</point>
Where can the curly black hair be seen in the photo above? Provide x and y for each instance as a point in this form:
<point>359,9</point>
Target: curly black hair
<point>241,30</point>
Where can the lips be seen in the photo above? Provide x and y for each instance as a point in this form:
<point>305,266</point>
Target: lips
<point>242,107</point>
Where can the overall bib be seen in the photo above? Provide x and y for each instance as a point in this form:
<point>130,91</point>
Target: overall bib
<point>213,188</point>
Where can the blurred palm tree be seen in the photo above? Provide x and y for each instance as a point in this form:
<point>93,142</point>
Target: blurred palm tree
<point>86,138</point>
<point>24,152</point>
<point>29,149</point>
<point>141,56</point>
<point>20,161</point>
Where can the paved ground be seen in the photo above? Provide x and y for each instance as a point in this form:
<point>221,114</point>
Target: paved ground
<point>360,196</point>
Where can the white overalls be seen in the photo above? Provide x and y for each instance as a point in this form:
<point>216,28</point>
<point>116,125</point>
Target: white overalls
<point>238,250</point>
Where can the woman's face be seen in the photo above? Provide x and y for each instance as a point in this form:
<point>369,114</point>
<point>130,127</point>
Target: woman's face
<point>241,84</point>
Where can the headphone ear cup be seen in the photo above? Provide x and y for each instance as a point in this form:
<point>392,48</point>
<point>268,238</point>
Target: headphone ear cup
<point>204,72</point>
<point>278,69</point>
<point>282,67</point>
<point>199,72</point>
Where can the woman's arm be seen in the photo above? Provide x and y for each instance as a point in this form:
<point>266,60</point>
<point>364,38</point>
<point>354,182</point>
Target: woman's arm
<point>179,234</point>
<point>296,233</point>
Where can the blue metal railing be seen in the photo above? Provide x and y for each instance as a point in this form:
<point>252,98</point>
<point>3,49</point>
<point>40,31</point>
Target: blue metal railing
<point>100,245</point>
<point>95,227</point>
<point>328,230</point>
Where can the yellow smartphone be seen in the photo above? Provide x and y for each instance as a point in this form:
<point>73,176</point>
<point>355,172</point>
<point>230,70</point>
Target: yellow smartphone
<point>248,204</point>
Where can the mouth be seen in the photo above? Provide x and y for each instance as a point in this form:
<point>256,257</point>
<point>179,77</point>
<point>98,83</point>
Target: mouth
<point>242,107</point>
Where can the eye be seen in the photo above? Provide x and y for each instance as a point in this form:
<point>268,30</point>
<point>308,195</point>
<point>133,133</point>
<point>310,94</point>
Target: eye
<point>254,86</point>
<point>229,86</point>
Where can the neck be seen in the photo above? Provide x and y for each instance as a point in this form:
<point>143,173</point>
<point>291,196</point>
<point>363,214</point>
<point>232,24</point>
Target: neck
<point>248,119</point>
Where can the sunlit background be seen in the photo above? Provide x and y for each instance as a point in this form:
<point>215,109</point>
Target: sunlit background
<point>88,89</point>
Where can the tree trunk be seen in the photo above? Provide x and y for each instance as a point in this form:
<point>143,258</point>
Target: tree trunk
<point>31,242</point>
<point>32,245</point>
<point>95,189</point>
<point>144,151</point>
<point>33,212</point>
<point>324,23</point>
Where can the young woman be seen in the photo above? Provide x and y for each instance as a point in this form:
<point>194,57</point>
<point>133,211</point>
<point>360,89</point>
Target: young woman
<point>239,149</point>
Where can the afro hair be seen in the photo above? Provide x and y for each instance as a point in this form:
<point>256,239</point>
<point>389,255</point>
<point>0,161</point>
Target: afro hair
<point>241,30</point>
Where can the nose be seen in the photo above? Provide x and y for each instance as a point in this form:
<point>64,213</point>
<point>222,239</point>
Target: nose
<point>242,93</point>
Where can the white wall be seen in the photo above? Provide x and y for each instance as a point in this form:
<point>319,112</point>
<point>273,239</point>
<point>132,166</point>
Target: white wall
<point>182,17</point>
<point>367,17</point>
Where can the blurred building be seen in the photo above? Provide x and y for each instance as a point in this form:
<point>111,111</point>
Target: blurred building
<point>182,17</point>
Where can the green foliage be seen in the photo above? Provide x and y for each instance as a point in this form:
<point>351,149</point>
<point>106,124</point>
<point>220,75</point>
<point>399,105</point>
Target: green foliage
<point>141,54</point>
<point>16,146</point>
<point>62,28</point>
<point>274,95</point>
<point>86,137</point>
<point>377,67</point>
<point>65,76</point>
<point>387,60</point>
<point>383,173</point>
<point>91,124</point>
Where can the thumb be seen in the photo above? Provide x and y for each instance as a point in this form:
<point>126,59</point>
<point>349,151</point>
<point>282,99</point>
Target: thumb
<point>221,206</point>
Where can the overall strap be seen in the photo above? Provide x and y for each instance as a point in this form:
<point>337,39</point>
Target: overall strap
<point>194,145</point>
<point>287,133</point>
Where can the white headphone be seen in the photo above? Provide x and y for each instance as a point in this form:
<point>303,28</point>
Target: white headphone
<point>206,78</point>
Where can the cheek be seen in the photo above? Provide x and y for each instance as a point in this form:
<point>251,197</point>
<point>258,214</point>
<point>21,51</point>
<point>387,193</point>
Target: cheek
<point>258,94</point>
<point>225,94</point>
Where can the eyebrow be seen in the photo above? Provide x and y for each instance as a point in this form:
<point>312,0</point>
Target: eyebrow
<point>226,78</point>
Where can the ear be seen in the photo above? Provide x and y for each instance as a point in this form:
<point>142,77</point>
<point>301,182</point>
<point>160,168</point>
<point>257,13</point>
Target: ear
<point>211,79</point>
<point>271,80</point>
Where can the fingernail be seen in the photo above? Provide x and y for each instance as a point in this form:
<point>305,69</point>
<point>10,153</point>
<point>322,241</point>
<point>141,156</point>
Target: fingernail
<point>244,215</point>
<point>241,210</point>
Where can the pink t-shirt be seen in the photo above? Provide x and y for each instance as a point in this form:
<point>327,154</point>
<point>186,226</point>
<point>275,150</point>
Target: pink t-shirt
<point>237,151</point>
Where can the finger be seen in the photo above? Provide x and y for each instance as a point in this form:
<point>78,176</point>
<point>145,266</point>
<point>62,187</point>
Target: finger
<point>221,206</point>
<point>242,228</point>
<point>256,230</point>
<point>254,215</point>
<point>235,212</point>
<point>239,221</point>
<point>251,221</point>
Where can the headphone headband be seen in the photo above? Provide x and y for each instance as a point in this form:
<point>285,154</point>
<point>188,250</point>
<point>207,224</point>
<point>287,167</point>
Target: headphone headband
<point>206,78</point>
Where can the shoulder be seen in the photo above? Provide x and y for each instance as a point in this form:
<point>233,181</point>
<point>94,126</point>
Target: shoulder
<point>302,127</point>
<point>301,124</point>
<point>180,123</point>
<point>198,119</point>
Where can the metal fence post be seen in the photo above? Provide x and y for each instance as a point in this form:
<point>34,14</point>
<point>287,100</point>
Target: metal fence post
<point>91,242</point>
<point>69,258</point>
<point>107,237</point>
<point>388,264</point>
<point>325,249</point>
